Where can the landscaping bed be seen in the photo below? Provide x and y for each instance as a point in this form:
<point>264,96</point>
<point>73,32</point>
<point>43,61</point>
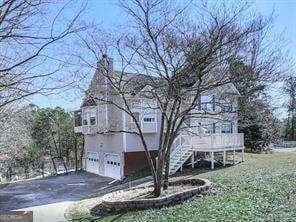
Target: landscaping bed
<point>141,198</point>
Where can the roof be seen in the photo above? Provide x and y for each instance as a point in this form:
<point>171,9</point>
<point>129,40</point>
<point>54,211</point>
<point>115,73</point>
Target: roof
<point>135,82</point>
<point>88,102</point>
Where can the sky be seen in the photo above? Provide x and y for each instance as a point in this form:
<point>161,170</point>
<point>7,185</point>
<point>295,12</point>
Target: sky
<point>107,14</point>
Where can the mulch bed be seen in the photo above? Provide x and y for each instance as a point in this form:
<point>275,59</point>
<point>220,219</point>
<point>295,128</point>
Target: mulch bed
<point>140,198</point>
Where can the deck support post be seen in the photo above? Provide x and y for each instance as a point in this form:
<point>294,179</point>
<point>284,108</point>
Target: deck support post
<point>224,158</point>
<point>192,160</point>
<point>212,160</point>
<point>243,155</point>
<point>233,157</point>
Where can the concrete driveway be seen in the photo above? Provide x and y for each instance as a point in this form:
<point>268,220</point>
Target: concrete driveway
<point>51,196</point>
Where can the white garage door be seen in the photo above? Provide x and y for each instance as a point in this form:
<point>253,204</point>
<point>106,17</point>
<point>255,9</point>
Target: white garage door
<point>92,162</point>
<point>113,166</point>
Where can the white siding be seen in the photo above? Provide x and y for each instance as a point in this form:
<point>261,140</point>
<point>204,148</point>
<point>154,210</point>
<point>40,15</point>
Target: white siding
<point>103,144</point>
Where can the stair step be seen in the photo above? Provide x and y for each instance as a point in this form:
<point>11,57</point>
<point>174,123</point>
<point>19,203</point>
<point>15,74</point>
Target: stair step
<point>181,155</point>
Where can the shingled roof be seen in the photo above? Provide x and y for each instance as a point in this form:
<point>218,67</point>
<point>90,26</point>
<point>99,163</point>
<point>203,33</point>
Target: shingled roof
<point>133,83</point>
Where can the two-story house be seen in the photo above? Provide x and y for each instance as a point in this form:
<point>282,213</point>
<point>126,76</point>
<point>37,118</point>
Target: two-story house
<point>111,150</point>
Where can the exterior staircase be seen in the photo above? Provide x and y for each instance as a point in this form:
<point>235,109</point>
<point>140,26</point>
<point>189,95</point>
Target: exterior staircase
<point>180,154</point>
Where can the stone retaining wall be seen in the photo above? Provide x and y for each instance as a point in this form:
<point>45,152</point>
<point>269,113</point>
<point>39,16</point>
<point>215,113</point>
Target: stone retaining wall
<point>141,204</point>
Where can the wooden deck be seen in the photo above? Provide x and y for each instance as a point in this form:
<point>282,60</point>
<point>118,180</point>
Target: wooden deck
<point>218,142</point>
<point>215,143</point>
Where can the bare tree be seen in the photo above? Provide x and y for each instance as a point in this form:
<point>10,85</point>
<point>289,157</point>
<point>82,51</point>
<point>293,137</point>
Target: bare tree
<point>168,56</point>
<point>30,30</point>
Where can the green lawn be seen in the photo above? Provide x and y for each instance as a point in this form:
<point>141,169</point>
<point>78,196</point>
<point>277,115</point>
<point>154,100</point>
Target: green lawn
<point>263,188</point>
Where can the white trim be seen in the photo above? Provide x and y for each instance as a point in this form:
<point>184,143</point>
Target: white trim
<point>92,155</point>
<point>124,128</point>
<point>106,110</point>
<point>121,165</point>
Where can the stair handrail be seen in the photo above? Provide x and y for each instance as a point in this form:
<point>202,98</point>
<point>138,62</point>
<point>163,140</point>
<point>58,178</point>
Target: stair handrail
<point>180,147</point>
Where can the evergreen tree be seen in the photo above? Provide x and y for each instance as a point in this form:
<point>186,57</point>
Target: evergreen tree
<point>290,91</point>
<point>255,117</point>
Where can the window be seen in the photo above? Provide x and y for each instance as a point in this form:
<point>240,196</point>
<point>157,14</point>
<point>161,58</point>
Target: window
<point>228,106</point>
<point>84,121</point>
<point>210,129</point>
<point>92,120</point>
<point>214,128</point>
<point>207,103</point>
<point>227,128</point>
<point>149,119</point>
<point>78,118</point>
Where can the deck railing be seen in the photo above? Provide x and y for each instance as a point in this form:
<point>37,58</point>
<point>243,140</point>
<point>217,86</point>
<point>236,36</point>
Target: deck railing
<point>223,141</point>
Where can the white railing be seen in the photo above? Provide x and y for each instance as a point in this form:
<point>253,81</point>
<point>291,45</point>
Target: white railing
<point>181,151</point>
<point>78,129</point>
<point>221,141</point>
<point>89,129</point>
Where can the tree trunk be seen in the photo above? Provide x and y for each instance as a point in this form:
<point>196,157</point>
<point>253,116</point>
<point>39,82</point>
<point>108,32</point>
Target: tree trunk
<point>26,171</point>
<point>42,169</point>
<point>75,153</point>
<point>158,181</point>
<point>157,188</point>
<point>167,171</point>
<point>53,163</point>
<point>64,164</point>
<point>81,154</point>
<point>167,162</point>
<point>293,128</point>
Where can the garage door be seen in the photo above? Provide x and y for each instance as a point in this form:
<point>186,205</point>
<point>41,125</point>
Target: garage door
<point>92,162</point>
<point>113,166</point>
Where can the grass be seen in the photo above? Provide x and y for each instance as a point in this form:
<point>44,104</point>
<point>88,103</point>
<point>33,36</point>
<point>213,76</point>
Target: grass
<point>263,188</point>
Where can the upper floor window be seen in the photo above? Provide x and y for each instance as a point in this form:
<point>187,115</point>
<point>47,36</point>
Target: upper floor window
<point>228,106</point>
<point>227,128</point>
<point>90,117</point>
<point>210,129</point>
<point>92,120</point>
<point>207,103</point>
